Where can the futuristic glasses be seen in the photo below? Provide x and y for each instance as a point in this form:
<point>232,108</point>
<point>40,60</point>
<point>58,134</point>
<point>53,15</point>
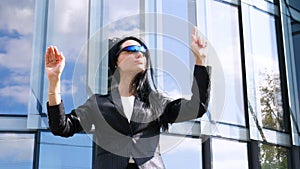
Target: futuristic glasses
<point>133,48</point>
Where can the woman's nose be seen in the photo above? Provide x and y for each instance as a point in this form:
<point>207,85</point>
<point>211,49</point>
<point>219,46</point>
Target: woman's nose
<point>139,55</point>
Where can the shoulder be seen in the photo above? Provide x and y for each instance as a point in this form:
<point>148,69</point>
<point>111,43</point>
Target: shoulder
<point>100,98</point>
<point>159,98</point>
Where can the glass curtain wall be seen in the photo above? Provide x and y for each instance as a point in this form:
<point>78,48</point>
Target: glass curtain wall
<point>248,124</point>
<point>16,39</point>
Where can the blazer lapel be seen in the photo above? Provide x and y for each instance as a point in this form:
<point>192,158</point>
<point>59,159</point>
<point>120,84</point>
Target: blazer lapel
<point>116,99</point>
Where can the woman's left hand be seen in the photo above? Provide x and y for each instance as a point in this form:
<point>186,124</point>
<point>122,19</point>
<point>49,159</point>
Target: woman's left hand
<point>199,48</point>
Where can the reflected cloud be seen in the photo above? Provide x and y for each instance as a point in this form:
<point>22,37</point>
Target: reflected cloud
<point>18,54</point>
<point>70,27</point>
<point>124,27</point>
<point>16,147</point>
<point>16,31</point>
<point>17,93</point>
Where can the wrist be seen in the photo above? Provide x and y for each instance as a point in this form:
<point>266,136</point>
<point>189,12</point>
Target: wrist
<point>200,62</point>
<point>54,89</point>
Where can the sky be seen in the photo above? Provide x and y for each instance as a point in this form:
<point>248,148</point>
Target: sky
<point>16,31</point>
<point>69,33</point>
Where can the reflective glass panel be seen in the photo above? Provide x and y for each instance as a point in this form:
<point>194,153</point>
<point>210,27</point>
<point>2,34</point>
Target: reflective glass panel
<point>59,152</point>
<point>296,42</point>
<point>181,152</point>
<point>16,34</point>
<point>229,154</point>
<point>262,68</point>
<point>16,151</point>
<point>273,157</point>
<point>223,33</point>
<point>177,67</point>
<point>294,4</point>
<point>68,30</point>
<point>109,19</point>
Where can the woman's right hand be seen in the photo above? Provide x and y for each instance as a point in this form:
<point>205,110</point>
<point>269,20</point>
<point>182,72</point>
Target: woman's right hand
<point>55,63</point>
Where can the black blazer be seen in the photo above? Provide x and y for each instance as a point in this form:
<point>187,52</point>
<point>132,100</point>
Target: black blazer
<point>117,139</point>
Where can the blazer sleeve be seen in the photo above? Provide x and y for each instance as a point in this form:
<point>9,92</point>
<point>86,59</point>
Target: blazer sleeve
<point>180,110</point>
<point>67,125</point>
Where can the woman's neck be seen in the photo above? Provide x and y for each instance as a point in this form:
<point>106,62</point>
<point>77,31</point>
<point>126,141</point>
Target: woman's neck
<point>125,84</point>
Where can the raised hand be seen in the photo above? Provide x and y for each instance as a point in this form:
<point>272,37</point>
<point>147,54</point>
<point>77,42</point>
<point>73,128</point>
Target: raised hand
<point>199,48</point>
<point>55,63</point>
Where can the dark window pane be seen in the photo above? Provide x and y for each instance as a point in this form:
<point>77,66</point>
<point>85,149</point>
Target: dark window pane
<point>294,4</point>
<point>273,157</point>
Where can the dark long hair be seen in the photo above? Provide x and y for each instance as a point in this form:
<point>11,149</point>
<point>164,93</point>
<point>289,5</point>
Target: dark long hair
<point>140,85</point>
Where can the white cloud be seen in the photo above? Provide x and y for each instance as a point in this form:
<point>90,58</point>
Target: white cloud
<point>70,27</point>
<point>69,16</point>
<point>17,15</point>
<point>128,8</point>
<point>17,18</point>
<point>18,54</point>
<point>16,147</point>
<point>18,93</point>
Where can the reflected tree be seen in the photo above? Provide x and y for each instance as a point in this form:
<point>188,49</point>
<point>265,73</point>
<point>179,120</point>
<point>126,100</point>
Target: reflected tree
<point>272,157</point>
<point>271,102</point>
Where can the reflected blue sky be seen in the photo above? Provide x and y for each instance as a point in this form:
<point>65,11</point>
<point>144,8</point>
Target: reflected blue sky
<point>16,151</point>
<point>70,35</point>
<point>16,31</point>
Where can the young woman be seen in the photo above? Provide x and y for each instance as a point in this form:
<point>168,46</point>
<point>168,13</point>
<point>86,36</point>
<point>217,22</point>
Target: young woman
<point>128,120</point>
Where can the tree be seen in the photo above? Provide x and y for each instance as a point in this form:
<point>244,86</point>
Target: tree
<point>272,157</point>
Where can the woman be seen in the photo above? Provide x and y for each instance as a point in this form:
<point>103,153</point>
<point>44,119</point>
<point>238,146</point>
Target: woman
<point>129,119</point>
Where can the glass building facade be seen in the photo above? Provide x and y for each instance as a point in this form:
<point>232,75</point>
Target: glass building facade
<point>253,120</point>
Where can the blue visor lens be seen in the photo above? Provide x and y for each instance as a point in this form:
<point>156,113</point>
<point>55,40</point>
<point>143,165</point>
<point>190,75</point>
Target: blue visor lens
<point>141,49</point>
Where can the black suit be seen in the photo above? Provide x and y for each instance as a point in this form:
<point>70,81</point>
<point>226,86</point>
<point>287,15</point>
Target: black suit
<point>116,138</point>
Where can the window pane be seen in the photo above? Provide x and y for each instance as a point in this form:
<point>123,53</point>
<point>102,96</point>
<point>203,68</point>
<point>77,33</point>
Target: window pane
<point>223,33</point>
<point>180,152</point>
<point>229,154</point>
<point>108,19</point>
<point>176,63</point>
<point>296,42</point>
<point>262,66</point>
<point>295,4</point>
<point>16,151</point>
<point>68,30</point>
<point>16,34</point>
<point>273,157</point>
<point>59,152</point>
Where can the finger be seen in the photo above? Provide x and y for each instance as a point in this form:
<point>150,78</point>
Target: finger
<point>199,43</point>
<point>60,57</point>
<point>56,52</point>
<point>202,42</point>
<point>52,54</point>
<point>194,35</point>
<point>195,31</point>
<point>48,55</point>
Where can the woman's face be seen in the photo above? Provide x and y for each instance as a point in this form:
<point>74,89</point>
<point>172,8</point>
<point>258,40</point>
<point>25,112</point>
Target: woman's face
<point>131,62</point>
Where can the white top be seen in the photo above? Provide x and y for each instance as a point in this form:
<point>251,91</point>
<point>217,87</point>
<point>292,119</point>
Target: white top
<point>127,103</point>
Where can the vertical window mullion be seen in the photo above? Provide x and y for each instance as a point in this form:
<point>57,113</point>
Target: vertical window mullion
<point>37,67</point>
